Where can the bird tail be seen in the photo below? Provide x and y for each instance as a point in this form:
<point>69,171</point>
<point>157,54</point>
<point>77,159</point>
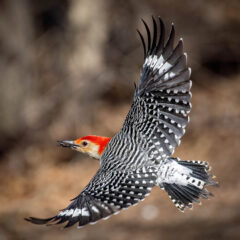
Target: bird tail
<point>187,184</point>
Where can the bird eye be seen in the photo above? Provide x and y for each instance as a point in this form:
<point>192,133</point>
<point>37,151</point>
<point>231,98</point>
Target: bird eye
<point>84,143</point>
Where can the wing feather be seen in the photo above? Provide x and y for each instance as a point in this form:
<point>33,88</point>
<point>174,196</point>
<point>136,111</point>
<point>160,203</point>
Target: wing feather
<point>162,99</point>
<point>106,194</point>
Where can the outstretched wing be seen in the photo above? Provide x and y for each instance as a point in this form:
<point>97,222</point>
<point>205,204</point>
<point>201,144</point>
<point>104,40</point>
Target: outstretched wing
<point>162,99</point>
<point>107,193</point>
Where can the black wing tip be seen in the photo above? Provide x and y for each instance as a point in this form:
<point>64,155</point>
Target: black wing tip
<point>143,21</point>
<point>160,19</point>
<point>143,43</point>
<point>49,221</point>
<point>152,45</point>
<point>154,20</point>
<point>172,32</point>
<point>39,221</point>
<point>145,24</point>
<point>148,36</point>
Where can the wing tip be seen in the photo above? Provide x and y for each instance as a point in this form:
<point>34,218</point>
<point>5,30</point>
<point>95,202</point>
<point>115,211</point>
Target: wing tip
<point>151,44</point>
<point>39,221</point>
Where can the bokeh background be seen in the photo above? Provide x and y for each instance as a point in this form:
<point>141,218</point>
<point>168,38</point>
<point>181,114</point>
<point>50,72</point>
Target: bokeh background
<point>67,69</point>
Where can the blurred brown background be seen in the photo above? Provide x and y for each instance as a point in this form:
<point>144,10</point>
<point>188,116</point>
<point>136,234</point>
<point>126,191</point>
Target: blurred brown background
<point>67,70</point>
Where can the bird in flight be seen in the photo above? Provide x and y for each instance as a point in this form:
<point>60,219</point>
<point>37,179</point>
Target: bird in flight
<point>139,156</point>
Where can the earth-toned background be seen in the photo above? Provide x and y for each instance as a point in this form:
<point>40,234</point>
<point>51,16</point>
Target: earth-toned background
<point>67,70</point>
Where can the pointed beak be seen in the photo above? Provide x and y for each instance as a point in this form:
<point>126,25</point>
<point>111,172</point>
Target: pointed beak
<point>68,144</point>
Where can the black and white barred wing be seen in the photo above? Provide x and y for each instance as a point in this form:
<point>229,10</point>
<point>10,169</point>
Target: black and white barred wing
<point>106,194</point>
<point>162,99</point>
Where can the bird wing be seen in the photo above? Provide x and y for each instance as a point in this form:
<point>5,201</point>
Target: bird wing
<point>107,193</point>
<point>162,100</point>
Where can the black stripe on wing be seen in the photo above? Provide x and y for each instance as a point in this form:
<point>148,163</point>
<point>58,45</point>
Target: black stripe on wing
<point>162,99</point>
<point>106,194</point>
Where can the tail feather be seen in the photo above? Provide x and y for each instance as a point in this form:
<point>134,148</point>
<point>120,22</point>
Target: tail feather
<point>194,178</point>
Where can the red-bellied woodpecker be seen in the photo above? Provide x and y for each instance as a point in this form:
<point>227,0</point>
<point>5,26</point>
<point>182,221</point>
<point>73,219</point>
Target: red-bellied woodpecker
<point>138,157</point>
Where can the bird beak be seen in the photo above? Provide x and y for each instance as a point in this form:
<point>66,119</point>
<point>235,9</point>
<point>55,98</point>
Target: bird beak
<point>68,144</point>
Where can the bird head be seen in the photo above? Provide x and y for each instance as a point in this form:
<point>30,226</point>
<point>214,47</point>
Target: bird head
<point>91,145</point>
